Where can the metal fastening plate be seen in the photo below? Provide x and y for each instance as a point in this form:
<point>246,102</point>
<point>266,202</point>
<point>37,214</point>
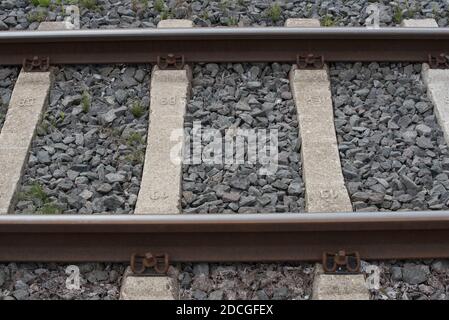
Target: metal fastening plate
<point>171,62</point>
<point>310,61</point>
<point>36,64</point>
<point>440,61</point>
<point>141,262</point>
<point>341,262</point>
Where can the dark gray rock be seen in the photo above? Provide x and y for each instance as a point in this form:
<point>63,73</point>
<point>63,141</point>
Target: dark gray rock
<point>415,274</point>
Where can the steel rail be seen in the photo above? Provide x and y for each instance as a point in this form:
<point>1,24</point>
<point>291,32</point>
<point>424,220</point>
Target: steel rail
<point>246,237</point>
<point>223,44</point>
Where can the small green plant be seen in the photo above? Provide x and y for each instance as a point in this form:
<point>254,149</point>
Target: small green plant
<point>44,3</point>
<point>85,101</point>
<point>37,16</point>
<point>135,157</point>
<point>274,12</point>
<point>137,109</point>
<point>139,4</point>
<point>165,14</point>
<point>42,128</point>
<point>327,21</point>
<point>88,4</point>
<point>135,139</point>
<point>223,4</point>
<point>435,10</point>
<point>62,115</point>
<point>49,208</point>
<point>159,5</point>
<point>398,16</point>
<point>232,21</point>
<point>205,15</point>
<point>37,194</point>
<point>41,3</point>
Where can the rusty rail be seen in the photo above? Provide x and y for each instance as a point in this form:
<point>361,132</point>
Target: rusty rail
<point>223,45</point>
<point>246,237</point>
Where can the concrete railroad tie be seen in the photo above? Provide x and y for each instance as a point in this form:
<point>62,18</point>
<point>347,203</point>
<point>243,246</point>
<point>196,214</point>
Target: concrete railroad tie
<point>323,178</point>
<point>160,191</point>
<point>28,102</point>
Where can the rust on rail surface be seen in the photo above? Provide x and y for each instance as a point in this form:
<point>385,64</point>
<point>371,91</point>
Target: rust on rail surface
<point>246,237</point>
<point>224,44</point>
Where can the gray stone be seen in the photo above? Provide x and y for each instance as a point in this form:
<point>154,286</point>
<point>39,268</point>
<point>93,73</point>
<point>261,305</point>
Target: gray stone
<point>21,294</point>
<point>422,129</point>
<point>396,273</point>
<point>239,183</point>
<point>86,194</point>
<point>295,189</point>
<point>2,278</point>
<point>231,197</point>
<point>108,117</point>
<point>247,201</point>
<point>216,295</point>
<point>115,177</point>
<point>201,268</point>
<point>415,274</point>
<point>104,188</point>
<point>113,202</point>
<point>440,266</point>
<point>43,157</point>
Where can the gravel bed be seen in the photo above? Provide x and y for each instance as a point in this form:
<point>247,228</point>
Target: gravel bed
<point>412,280</point>
<point>37,281</point>
<point>8,78</point>
<point>246,281</point>
<point>21,14</point>
<point>392,150</point>
<point>89,150</point>
<point>398,280</point>
<point>227,97</point>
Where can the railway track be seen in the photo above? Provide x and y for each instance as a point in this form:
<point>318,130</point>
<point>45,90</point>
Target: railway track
<point>275,235</point>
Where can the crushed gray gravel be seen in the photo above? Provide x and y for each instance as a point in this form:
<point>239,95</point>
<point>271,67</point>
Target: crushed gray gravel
<point>226,97</point>
<point>412,280</point>
<point>245,281</point>
<point>95,14</point>
<point>37,281</point>
<point>88,154</point>
<point>393,153</point>
<point>8,77</point>
<point>398,280</point>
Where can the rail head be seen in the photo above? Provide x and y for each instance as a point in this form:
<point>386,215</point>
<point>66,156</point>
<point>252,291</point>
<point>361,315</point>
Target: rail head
<point>285,222</point>
<point>223,33</point>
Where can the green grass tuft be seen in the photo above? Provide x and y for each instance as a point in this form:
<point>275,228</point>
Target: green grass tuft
<point>137,109</point>
<point>274,12</point>
<point>159,5</point>
<point>86,101</point>
<point>327,21</point>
